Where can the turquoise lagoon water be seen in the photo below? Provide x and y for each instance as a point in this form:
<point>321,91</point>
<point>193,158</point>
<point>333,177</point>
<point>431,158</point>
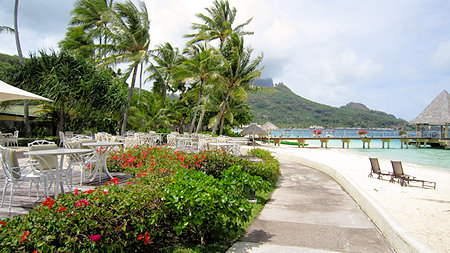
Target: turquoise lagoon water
<point>432,158</point>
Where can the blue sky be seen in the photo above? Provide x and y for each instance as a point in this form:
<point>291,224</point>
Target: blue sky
<point>393,56</point>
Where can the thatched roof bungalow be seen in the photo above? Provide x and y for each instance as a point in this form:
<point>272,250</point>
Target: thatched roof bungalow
<point>436,114</point>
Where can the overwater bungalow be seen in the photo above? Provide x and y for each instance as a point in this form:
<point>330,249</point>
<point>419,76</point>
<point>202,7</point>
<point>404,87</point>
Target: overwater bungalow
<point>436,114</point>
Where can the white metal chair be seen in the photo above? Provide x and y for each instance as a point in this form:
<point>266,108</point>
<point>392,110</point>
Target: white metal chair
<point>48,164</point>
<point>83,161</point>
<point>16,174</point>
<point>13,141</point>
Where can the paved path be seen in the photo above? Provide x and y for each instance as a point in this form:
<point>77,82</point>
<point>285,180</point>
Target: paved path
<point>310,212</point>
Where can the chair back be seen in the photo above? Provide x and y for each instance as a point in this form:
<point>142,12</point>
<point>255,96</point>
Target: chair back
<point>131,142</point>
<point>16,134</point>
<point>398,168</point>
<point>375,165</point>
<point>46,161</point>
<point>10,163</point>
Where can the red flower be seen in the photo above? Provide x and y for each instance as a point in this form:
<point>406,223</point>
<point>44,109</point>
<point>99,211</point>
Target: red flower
<point>115,180</point>
<point>2,223</point>
<point>24,236</point>
<point>61,209</point>
<point>95,238</point>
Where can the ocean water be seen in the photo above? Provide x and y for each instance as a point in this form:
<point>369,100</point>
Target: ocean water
<point>432,158</point>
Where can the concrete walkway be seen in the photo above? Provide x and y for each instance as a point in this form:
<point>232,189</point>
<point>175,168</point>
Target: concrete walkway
<point>310,212</point>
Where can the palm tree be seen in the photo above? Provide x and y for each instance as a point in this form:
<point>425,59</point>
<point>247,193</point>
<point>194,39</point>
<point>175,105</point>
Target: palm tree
<point>201,66</point>
<point>92,16</point>
<point>7,29</point>
<point>26,108</point>
<point>149,114</point>
<point>218,24</point>
<point>167,58</point>
<point>239,70</point>
<point>130,38</point>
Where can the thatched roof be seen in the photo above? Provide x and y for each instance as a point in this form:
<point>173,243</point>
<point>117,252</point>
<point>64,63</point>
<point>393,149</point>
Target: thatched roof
<point>268,126</point>
<point>253,129</point>
<point>437,113</point>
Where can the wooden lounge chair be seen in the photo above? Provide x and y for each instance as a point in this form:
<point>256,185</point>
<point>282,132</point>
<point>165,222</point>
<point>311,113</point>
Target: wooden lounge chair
<point>376,169</point>
<point>405,179</point>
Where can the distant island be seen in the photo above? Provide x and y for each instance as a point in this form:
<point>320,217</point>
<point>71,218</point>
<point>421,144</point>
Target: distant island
<point>284,108</point>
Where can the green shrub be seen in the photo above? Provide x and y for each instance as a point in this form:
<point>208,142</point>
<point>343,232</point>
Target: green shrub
<point>172,198</point>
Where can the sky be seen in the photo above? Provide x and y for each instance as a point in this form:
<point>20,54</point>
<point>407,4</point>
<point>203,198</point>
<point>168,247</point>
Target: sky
<point>392,56</point>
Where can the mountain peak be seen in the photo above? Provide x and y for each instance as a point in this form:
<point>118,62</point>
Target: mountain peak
<point>356,106</point>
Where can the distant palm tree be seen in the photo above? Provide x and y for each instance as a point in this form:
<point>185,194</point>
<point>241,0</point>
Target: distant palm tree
<point>149,114</point>
<point>202,66</point>
<point>217,24</point>
<point>167,58</point>
<point>239,70</point>
<point>128,31</point>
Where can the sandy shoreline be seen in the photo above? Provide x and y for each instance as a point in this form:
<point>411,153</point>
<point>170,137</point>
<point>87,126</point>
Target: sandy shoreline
<point>424,214</point>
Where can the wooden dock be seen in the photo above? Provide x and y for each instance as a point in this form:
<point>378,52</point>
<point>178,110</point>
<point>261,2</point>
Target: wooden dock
<point>405,141</point>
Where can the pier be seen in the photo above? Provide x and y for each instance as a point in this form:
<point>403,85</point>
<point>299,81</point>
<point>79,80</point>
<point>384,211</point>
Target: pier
<point>405,141</point>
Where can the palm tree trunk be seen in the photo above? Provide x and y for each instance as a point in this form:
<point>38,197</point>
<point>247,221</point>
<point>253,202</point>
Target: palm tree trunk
<point>61,115</point>
<point>199,125</point>
<point>130,95</point>
<point>221,113</point>
<point>222,121</point>
<point>196,108</point>
<point>26,108</point>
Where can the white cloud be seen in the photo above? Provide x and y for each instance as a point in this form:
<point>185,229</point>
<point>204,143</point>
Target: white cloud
<point>440,58</point>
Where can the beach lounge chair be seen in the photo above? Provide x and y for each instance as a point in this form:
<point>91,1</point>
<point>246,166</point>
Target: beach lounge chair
<point>405,179</point>
<point>376,169</point>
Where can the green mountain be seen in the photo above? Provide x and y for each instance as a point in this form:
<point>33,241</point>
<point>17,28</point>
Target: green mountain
<point>287,109</point>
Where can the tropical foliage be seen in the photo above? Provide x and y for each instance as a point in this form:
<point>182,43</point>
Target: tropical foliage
<point>82,95</point>
<point>200,87</point>
<point>171,198</point>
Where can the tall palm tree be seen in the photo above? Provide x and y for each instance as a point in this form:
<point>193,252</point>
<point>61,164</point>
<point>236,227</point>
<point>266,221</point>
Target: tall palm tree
<point>239,70</point>
<point>26,108</point>
<point>92,16</point>
<point>217,24</point>
<point>202,66</point>
<point>167,58</point>
<point>130,39</point>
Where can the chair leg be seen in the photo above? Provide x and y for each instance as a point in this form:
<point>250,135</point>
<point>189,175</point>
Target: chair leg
<point>11,196</point>
<point>4,190</point>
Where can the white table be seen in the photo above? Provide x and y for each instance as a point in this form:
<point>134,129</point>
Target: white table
<point>101,149</point>
<point>61,152</point>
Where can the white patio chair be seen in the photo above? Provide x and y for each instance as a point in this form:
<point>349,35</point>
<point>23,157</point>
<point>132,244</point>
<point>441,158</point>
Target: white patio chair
<point>171,141</point>
<point>16,174</point>
<point>13,141</point>
<point>85,162</point>
<point>131,142</point>
<point>48,164</point>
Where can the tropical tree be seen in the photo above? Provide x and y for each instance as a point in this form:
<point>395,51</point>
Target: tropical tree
<point>239,70</point>
<point>128,31</point>
<point>78,42</point>
<point>91,17</point>
<point>217,24</point>
<point>7,29</point>
<point>167,58</point>
<point>150,113</point>
<point>77,88</point>
<point>202,66</point>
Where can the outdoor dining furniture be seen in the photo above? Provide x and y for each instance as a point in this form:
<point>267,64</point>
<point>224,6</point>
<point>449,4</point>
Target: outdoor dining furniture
<point>16,174</point>
<point>102,150</point>
<point>228,147</point>
<point>58,174</point>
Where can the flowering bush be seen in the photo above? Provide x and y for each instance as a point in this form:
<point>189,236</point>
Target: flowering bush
<point>362,132</point>
<point>172,196</point>
<point>317,132</point>
<point>402,132</point>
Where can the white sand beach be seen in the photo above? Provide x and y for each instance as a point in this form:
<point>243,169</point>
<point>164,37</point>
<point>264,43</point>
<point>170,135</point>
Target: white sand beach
<point>418,214</point>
